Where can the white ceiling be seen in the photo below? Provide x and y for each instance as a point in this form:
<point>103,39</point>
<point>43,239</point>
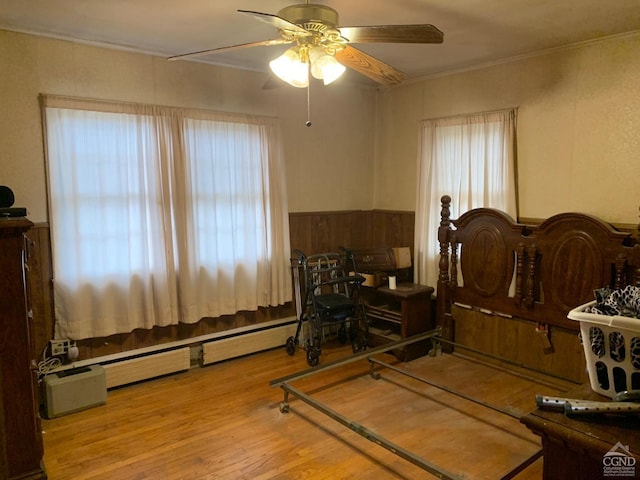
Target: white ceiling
<point>475,31</point>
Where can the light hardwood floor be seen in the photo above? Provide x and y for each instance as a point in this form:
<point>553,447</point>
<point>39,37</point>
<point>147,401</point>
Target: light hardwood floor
<point>223,422</point>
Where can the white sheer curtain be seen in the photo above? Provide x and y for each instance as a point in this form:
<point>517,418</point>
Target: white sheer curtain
<point>471,158</point>
<point>162,215</point>
<point>234,241</point>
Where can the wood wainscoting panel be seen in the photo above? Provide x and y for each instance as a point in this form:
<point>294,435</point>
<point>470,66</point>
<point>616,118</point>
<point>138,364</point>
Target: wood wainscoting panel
<point>393,229</point>
<point>316,232</point>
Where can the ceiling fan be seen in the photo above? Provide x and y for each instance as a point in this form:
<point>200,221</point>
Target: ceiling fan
<point>323,47</point>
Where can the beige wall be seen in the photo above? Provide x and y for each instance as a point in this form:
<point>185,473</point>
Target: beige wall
<point>328,165</point>
<point>578,128</point>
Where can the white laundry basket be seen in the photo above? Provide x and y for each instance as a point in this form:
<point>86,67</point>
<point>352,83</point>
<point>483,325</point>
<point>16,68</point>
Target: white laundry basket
<point>612,350</point>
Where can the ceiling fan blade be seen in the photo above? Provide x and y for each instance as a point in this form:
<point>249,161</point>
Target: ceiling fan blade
<point>392,34</point>
<point>264,43</point>
<point>278,22</point>
<point>369,66</point>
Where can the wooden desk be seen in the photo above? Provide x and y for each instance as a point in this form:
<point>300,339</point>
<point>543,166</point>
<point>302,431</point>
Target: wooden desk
<point>574,447</point>
<point>400,313</point>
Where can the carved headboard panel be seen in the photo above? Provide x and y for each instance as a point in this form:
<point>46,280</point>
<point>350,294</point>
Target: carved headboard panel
<point>534,272</point>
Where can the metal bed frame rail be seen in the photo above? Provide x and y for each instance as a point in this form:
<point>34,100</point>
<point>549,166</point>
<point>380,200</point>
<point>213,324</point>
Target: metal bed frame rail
<point>435,335</point>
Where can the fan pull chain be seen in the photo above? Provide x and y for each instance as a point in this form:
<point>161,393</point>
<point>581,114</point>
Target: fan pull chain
<point>308,124</point>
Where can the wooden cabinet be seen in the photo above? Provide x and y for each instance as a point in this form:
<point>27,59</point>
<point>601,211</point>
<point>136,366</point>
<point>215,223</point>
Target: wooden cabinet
<point>395,314</point>
<point>21,448</point>
<point>577,447</point>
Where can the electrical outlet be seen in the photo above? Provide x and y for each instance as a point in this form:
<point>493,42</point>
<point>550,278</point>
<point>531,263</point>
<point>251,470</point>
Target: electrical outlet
<point>61,347</point>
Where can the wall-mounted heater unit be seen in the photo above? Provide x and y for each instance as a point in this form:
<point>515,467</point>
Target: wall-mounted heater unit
<point>72,390</point>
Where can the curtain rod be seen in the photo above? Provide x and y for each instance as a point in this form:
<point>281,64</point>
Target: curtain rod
<point>461,115</point>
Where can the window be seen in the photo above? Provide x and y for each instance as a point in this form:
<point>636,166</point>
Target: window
<point>162,215</point>
<point>471,158</point>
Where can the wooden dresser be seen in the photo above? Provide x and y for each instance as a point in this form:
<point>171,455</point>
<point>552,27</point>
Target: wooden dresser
<point>21,447</point>
<point>575,447</point>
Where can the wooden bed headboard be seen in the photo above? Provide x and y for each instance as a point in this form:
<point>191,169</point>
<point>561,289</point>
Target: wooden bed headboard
<point>533,272</point>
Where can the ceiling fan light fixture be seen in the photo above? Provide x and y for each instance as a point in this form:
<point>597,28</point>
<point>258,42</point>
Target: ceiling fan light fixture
<point>324,66</point>
<point>291,68</point>
<point>309,25</point>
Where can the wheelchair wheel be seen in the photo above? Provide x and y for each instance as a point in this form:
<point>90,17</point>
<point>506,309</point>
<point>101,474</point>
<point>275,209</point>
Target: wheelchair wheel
<point>291,346</point>
<point>358,344</point>
<point>313,356</point>
<point>342,334</point>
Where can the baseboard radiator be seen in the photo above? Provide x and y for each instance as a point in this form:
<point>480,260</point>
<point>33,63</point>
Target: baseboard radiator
<point>151,362</point>
<point>136,369</point>
<point>244,344</point>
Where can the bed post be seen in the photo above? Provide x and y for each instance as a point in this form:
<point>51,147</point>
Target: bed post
<point>519,269</point>
<point>620,276</point>
<point>532,252</point>
<point>637,262</point>
<point>443,307</point>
